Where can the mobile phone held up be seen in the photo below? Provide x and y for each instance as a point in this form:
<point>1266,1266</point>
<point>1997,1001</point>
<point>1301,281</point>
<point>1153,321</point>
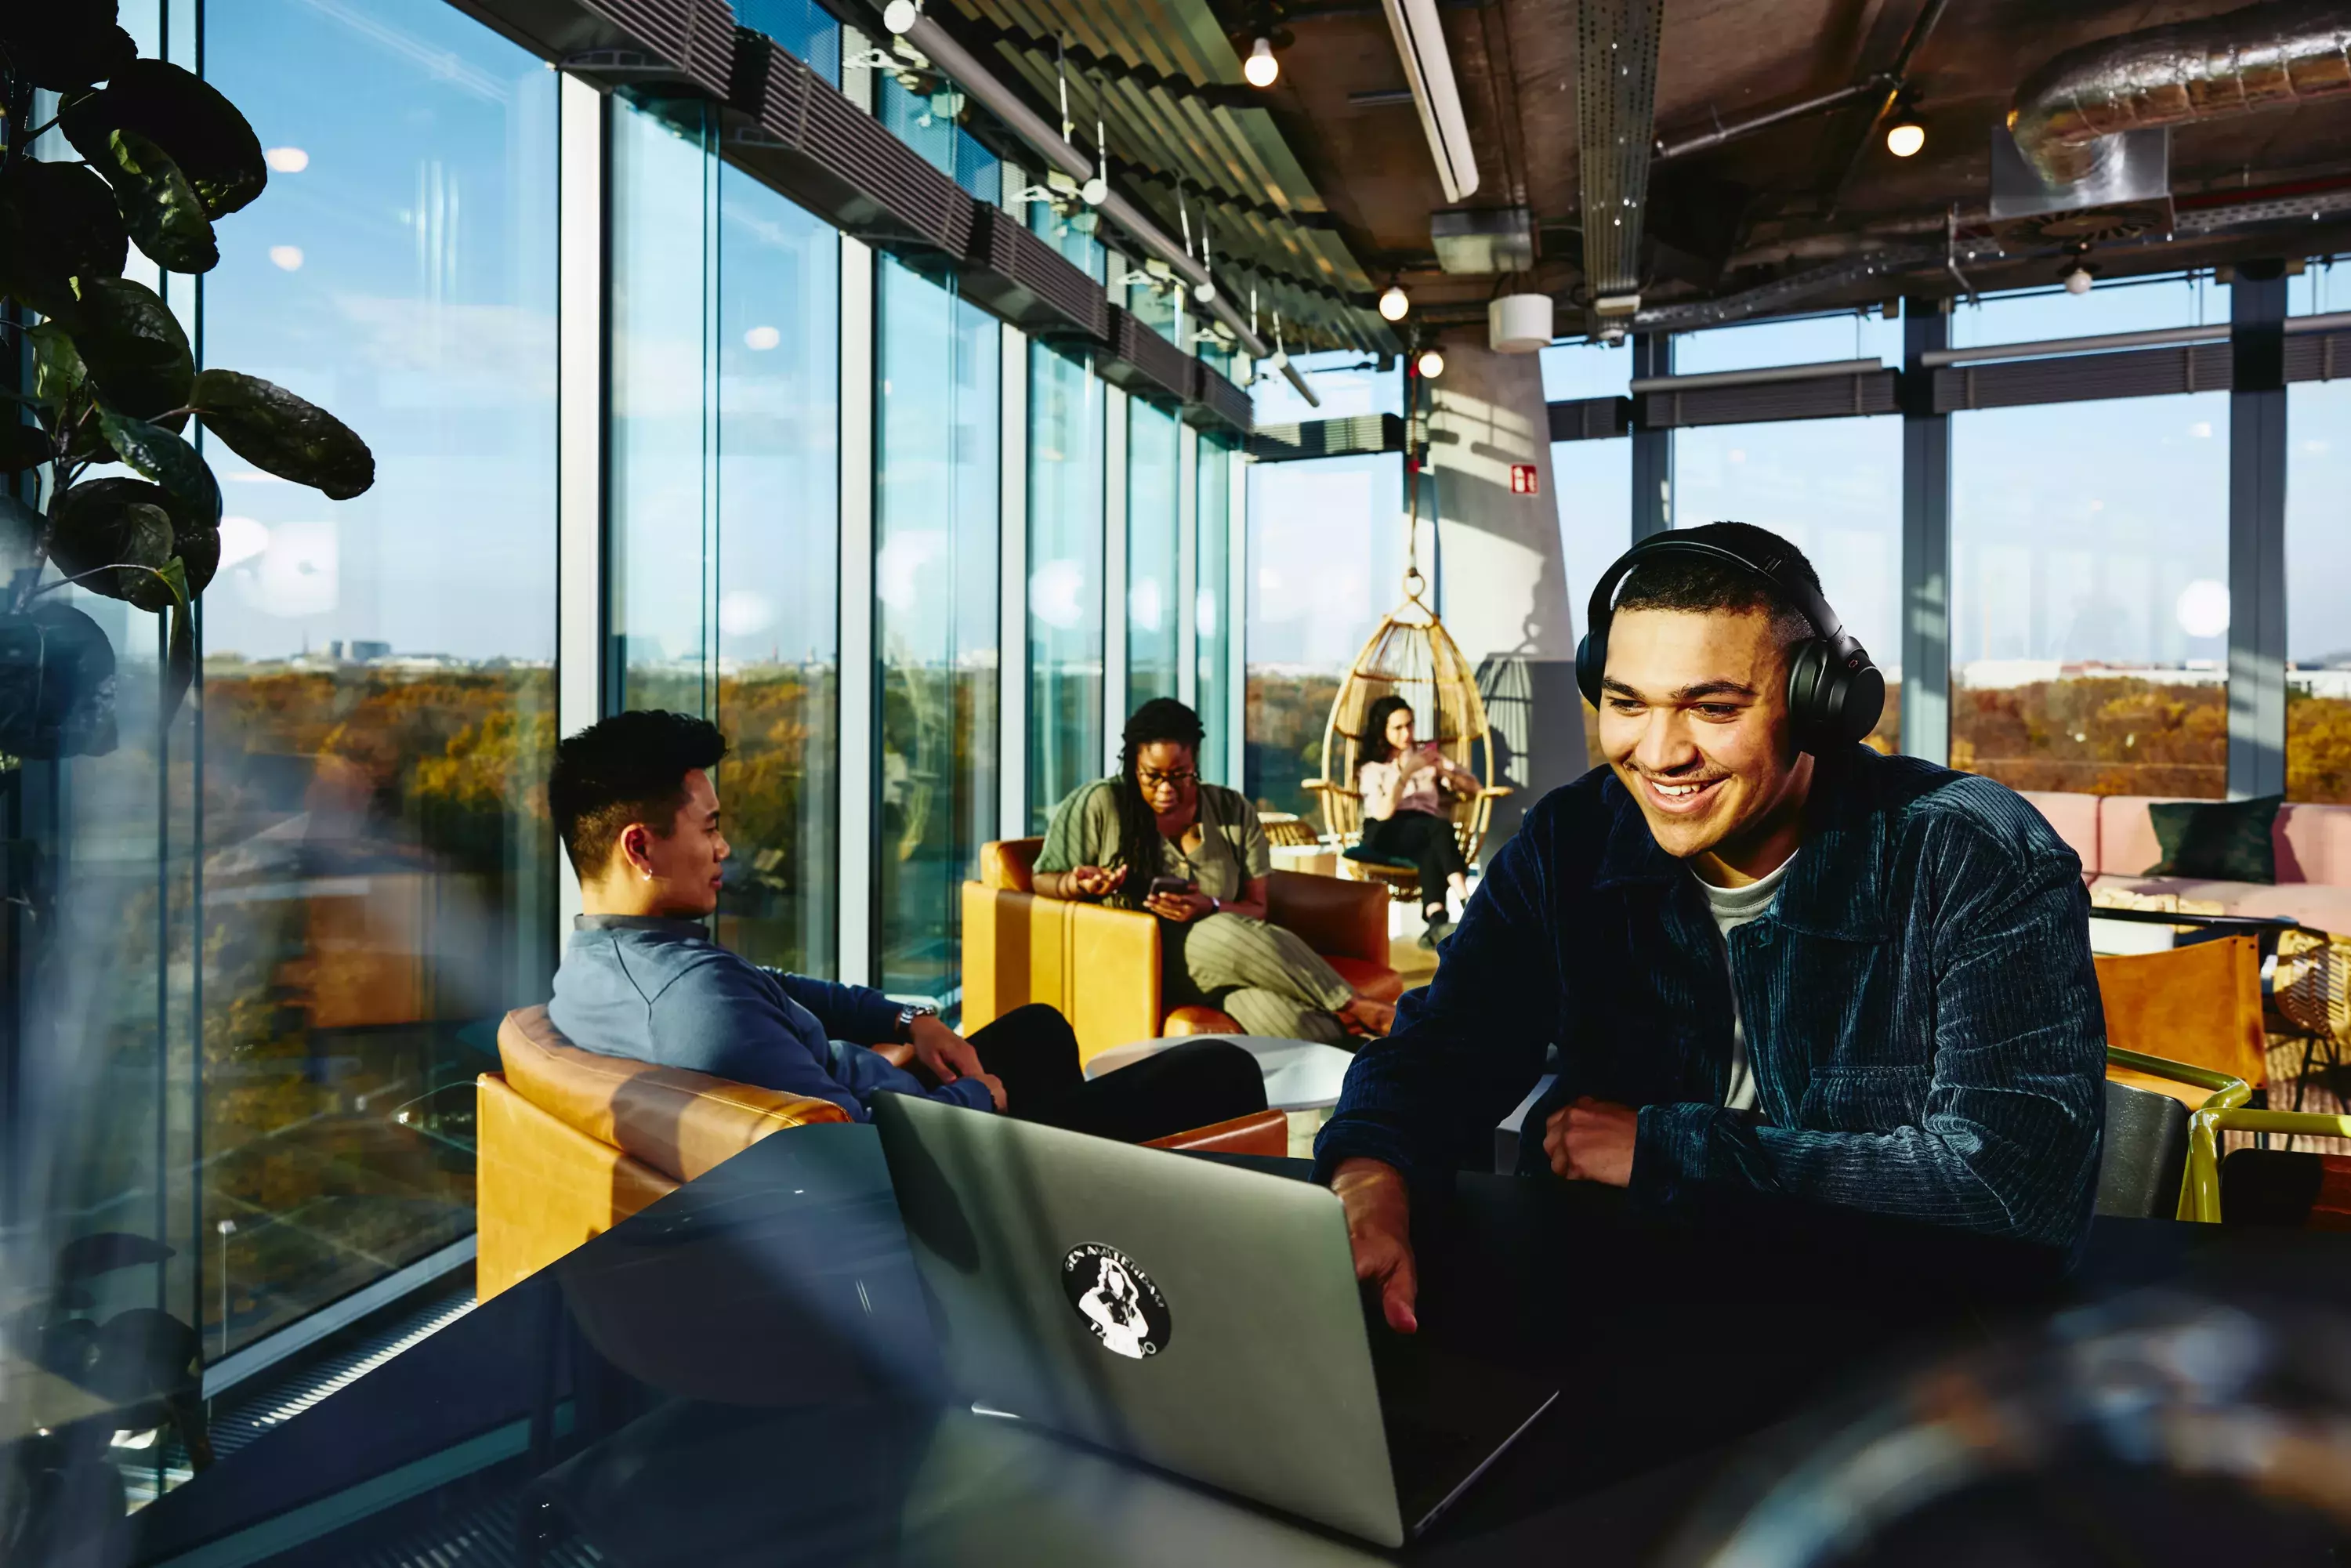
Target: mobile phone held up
<point>1160,884</point>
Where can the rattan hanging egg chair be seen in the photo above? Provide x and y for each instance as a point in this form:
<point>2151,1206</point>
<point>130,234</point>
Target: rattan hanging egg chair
<point>1411,655</point>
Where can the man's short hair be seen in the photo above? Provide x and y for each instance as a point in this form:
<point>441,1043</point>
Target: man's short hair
<point>630,768</point>
<point>1697,585</point>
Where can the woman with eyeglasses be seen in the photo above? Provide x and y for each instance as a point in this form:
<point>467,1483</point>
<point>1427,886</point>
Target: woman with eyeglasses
<point>1156,837</point>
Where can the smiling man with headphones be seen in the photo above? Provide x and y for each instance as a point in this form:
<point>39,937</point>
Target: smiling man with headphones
<point>1770,959</point>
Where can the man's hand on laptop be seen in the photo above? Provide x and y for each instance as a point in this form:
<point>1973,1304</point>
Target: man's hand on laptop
<point>1379,1230</point>
<point>945,1054</point>
<point>1591,1140</point>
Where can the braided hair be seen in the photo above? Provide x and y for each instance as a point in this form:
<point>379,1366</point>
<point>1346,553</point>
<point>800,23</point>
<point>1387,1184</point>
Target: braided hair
<point>1375,744</point>
<point>1160,719</point>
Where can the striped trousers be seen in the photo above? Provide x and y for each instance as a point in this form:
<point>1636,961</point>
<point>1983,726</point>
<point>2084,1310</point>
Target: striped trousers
<point>1266,977</point>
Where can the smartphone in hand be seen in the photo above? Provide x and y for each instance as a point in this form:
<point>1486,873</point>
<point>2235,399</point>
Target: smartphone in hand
<point>1160,884</point>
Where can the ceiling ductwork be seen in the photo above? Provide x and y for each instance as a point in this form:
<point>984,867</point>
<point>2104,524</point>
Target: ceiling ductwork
<point>2262,57</point>
<point>1615,117</point>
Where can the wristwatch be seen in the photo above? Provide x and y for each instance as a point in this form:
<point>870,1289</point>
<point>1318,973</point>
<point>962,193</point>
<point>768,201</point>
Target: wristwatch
<point>906,1017</point>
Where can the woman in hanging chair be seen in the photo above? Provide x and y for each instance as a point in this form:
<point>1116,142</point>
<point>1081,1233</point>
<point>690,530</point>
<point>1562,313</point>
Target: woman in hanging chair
<point>1156,837</point>
<point>1404,814</point>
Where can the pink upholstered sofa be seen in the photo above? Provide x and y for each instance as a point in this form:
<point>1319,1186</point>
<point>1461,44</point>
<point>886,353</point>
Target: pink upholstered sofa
<point>2116,838</point>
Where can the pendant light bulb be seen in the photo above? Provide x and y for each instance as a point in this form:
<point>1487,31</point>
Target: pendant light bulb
<point>1394,302</point>
<point>2078,281</point>
<point>1905,137</point>
<point>1431,364</point>
<point>1262,68</point>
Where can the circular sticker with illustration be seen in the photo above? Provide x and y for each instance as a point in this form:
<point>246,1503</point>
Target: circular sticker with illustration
<point>1117,1299</point>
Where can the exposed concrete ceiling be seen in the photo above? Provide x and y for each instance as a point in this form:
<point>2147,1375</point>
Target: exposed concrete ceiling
<point>1789,198</point>
<point>1339,191</point>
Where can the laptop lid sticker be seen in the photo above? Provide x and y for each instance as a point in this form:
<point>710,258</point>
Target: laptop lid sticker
<point>1116,1300</point>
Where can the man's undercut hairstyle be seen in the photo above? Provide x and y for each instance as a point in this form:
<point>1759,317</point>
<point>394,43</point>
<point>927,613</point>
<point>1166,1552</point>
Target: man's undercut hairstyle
<point>1696,585</point>
<point>630,768</point>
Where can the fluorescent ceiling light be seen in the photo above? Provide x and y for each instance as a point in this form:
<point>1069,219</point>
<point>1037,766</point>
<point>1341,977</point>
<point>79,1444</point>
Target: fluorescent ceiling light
<point>1428,68</point>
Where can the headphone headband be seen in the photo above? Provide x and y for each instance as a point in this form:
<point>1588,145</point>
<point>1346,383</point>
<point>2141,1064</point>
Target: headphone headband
<point>1773,569</point>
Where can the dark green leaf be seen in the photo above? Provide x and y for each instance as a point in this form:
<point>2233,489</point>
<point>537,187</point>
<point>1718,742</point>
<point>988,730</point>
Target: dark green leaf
<point>184,115</point>
<point>62,45</point>
<point>160,210</point>
<point>21,527</point>
<point>57,223</point>
<point>113,535</point>
<point>169,461</point>
<point>133,348</point>
<point>180,665</point>
<point>58,370</point>
<point>195,525</point>
<point>281,433</point>
<point>23,446</point>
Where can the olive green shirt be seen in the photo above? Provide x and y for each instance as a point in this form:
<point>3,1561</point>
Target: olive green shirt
<point>1232,851</point>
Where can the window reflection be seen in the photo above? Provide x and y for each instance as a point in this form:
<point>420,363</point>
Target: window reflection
<point>936,455</point>
<point>663,370</point>
<point>1151,459</point>
<point>2090,601</point>
<point>378,880</point>
<point>1065,579</point>
<point>778,582</point>
<point>1212,619</point>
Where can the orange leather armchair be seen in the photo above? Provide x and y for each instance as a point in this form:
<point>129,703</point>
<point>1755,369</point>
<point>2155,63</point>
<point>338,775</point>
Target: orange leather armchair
<point>570,1143</point>
<point>1101,965</point>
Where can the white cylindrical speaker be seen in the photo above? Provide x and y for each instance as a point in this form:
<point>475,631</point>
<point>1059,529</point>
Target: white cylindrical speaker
<point>1518,323</point>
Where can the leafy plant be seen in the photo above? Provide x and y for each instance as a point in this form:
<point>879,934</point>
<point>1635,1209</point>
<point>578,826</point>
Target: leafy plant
<point>162,157</point>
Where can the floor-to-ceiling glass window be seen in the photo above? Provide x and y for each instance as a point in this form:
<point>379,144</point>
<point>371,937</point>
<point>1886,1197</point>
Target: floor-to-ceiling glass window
<point>2317,602</point>
<point>1152,453</point>
<point>377,700</point>
<point>937,446</point>
<point>1592,483</point>
<point>662,485</point>
<point>1065,575</point>
<point>2090,571</point>
<point>1211,616</point>
<point>1326,542</point>
<point>1833,487</point>
<point>778,350</point>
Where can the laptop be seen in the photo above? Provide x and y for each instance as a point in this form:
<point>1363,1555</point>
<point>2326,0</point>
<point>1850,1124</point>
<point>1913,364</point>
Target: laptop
<point>1197,1316</point>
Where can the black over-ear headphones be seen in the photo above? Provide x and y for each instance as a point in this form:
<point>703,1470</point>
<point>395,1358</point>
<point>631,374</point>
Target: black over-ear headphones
<point>1834,694</point>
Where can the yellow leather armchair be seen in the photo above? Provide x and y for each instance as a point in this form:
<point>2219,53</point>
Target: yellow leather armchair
<point>1101,965</point>
<point>570,1143</point>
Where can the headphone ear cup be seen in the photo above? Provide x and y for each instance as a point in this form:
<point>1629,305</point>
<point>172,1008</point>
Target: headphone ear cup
<point>1809,701</point>
<point>1865,702</point>
<point>1591,663</point>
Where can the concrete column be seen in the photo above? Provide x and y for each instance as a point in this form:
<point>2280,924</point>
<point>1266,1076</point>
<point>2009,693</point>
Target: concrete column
<point>1504,588</point>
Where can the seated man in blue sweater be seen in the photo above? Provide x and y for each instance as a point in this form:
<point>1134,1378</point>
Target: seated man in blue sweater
<point>632,798</point>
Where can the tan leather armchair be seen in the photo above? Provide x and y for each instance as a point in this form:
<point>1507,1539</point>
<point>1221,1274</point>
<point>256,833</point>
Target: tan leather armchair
<point>1101,965</point>
<point>570,1143</point>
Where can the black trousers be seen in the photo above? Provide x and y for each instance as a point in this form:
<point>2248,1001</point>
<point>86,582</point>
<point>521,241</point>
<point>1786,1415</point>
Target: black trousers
<point>1035,1052</point>
<point>1426,842</point>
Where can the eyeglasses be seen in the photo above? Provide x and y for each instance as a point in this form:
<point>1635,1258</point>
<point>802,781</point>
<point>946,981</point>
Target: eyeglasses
<point>1151,780</point>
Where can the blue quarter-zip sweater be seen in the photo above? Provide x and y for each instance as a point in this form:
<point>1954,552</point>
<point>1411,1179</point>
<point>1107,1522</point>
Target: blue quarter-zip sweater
<point>662,991</point>
<point>1921,1011</point>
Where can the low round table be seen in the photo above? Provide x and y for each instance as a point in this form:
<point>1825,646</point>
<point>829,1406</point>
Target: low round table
<point>1302,1077</point>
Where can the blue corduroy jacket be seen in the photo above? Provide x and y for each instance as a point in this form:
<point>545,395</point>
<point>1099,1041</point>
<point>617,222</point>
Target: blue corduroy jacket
<point>1921,1010</point>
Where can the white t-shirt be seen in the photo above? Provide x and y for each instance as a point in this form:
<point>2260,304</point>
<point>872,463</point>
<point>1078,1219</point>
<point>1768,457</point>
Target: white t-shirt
<point>1733,908</point>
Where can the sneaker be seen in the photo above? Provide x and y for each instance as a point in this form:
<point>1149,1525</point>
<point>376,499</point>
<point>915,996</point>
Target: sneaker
<point>1437,931</point>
